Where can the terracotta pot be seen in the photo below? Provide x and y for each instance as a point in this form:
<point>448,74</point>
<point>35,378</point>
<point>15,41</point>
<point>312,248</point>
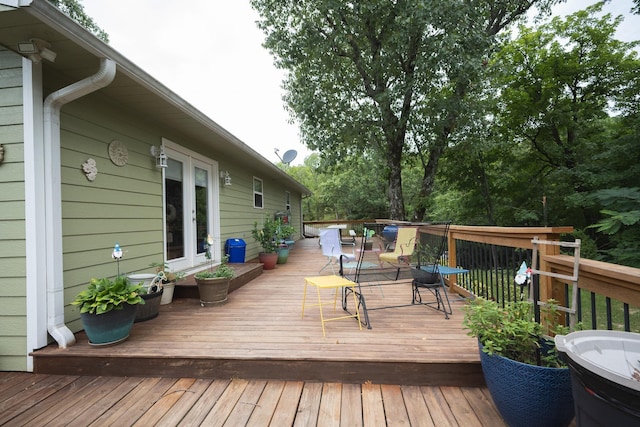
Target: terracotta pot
<point>269,259</point>
<point>213,291</point>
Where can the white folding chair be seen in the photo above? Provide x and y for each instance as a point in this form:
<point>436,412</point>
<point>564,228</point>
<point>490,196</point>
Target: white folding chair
<point>332,248</point>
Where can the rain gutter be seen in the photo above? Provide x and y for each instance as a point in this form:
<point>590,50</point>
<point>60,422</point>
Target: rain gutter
<point>53,195</point>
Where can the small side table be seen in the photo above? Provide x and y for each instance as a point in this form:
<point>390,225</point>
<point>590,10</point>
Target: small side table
<point>330,282</point>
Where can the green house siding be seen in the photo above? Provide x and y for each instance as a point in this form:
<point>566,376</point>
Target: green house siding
<point>237,214</point>
<point>122,205</point>
<point>13,315</point>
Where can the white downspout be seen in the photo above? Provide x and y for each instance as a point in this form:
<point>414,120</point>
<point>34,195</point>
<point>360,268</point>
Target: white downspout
<point>53,197</point>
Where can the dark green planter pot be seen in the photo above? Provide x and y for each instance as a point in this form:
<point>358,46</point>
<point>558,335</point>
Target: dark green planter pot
<point>150,308</point>
<point>109,328</point>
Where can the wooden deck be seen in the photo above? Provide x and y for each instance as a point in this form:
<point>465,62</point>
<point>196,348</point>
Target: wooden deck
<point>256,361</point>
<point>260,334</point>
<point>52,400</point>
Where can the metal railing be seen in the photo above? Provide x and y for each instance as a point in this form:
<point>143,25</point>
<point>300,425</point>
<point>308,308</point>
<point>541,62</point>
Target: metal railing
<point>608,296</point>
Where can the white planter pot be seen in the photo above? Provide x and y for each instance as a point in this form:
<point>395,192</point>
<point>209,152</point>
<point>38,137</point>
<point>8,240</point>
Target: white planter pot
<point>144,278</point>
<point>167,293</point>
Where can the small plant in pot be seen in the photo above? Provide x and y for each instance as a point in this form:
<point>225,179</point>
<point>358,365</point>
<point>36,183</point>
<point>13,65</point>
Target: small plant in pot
<point>526,379</point>
<point>268,238</point>
<point>108,309</point>
<point>151,292</point>
<point>169,280</point>
<point>284,232</point>
<point>213,284</point>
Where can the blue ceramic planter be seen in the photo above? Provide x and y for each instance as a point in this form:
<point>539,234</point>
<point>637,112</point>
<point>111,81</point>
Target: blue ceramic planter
<point>528,395</point>
<point>283,255</point>
<point>110,327</point>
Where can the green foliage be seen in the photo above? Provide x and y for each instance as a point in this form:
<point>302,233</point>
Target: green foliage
<point>512,332</point>
<point>560,129</point>
<point>104,295</point>
<point>168,275</point>
<point>620,224</point>
<point>75,11</point>
<point>272,233</point>
<point>224,270</point>
<point>383,77</point>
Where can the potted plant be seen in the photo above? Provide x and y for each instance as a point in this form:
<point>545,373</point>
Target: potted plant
<point>213,285</point>
<point>283,233</point>
<point>169,280</point>
<point>268,238</point>
<point>151,291</point>
<point>520,364</point>
<point>108,309</point>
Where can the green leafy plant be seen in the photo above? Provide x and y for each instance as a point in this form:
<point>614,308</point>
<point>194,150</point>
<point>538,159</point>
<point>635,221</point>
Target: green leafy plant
<point>224,270</point>
<point>284,231</point>
<point>272,232</point>
<point>104,295</point>
<point>511,331</point>
<point>169,275</point>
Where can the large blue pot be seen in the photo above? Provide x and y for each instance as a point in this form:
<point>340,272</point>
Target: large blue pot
<point>110,327</point>
<point>528,395</point>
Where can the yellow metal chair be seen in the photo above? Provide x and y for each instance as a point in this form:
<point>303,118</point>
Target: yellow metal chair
<point>405,244</point>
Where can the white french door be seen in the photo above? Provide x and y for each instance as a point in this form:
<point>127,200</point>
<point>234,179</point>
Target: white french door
<point>191,207</point>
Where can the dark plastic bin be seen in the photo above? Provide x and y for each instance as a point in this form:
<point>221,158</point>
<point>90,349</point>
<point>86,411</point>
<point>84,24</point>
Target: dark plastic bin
<point>605,376</point>
<point>236,249</point>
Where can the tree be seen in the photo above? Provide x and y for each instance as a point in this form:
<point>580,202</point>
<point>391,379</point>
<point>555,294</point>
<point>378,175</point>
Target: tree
<point>75,11</point>
<point>388,76</point>
<point>558,85</point>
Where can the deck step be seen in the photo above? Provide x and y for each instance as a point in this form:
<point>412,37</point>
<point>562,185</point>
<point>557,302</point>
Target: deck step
<point>245,273</point>
<point>376,372</point>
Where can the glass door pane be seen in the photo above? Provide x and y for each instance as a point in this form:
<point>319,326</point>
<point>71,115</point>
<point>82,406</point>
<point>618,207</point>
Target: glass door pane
<point>175,209</point>
<point>202,213</point>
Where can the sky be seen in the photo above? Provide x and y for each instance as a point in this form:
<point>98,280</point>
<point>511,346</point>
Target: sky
<point>210,53</point>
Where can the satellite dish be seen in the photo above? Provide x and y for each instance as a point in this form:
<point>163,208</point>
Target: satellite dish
<point>289,156</point>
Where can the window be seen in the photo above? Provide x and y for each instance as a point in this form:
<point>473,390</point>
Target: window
<point>287,201</point>
<point>258,197</point>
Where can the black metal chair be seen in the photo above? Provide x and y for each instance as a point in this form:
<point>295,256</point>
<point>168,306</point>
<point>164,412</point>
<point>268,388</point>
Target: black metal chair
<point>430,253</point>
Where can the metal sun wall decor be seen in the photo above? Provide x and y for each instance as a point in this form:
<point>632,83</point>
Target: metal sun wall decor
<point>118,153</point>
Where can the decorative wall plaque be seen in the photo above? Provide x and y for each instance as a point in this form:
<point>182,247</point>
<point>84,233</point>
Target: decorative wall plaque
<point>90,169</point>
<point>118,153</point>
